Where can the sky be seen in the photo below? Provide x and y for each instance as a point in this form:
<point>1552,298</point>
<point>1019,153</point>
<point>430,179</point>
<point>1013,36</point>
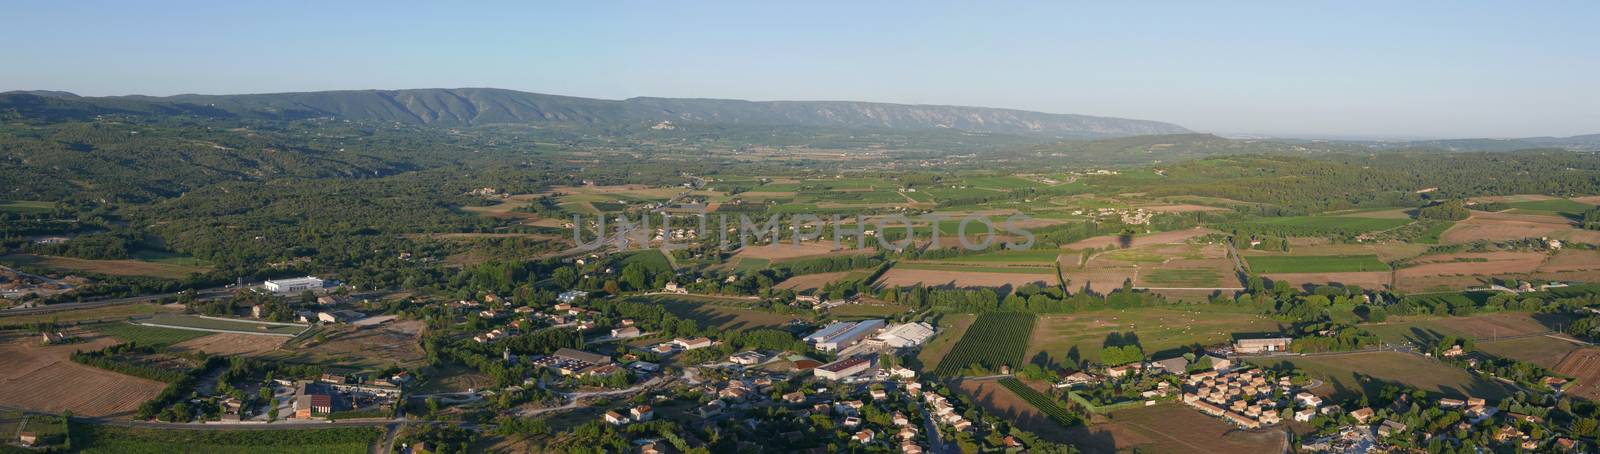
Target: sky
<point>1362,69</point>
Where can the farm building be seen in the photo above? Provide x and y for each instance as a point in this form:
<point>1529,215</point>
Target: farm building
<point>692,343</point>
<point>906,335</point>
<point>295,285</point>
<point>569,354</point>
<point>1268,345</point>
<point>832,339</point>
<point>843,368</point>
<point>1175,366</point>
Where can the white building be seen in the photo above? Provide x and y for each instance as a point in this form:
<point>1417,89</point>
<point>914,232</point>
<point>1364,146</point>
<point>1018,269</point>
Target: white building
<point>840,335</point>
<point>572,296</point>
<point>906,335</point>
<point>296,285</point>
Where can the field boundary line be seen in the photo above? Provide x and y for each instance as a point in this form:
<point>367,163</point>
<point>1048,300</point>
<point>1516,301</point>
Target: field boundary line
<point>240,320</point>
<point>212,330</point>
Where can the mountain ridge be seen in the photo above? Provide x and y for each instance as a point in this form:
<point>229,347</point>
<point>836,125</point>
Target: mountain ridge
<point>478,106</point>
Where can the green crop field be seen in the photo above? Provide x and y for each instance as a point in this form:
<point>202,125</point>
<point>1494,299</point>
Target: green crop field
<point>1044,256</point>
<point>1004,183</point>
<point>1045,404</point>
<point>1315,264</point>
<point>1349,374</point>
<point>927,266</point>
<point>146,335</point>
<point>1554,206</point>
<point>89,438</point>
<point>1203,277</point>
<point>25,206</point>
<point>652,260</point>
<point>751,264</point>
<point>994,339</point>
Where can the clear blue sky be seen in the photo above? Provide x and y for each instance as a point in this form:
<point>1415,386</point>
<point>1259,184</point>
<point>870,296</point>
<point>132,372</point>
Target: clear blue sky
<point>1413,68</point>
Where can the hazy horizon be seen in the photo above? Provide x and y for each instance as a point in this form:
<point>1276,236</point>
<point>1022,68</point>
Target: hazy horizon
<point>1357,70</point>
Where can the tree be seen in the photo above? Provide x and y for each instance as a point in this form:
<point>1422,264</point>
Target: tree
<point>635,277</point>
<point>565,277</point>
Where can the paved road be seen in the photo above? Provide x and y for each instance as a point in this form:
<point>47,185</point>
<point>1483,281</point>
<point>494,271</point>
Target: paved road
<point>574,398</point>
<point>935,441</point>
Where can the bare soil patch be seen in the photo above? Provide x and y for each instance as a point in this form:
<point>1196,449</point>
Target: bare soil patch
<point>1542,350</point>
<point>1507,226</point>
<point>228,344</point>
<point>1572,260</point>
<point>1172,428</point>
<point>1474,263</point>
<point>1584,365</point>
<point>937,278</point>
<point>1365,279</point>
<point>394,343</point>
<point>789,250</point>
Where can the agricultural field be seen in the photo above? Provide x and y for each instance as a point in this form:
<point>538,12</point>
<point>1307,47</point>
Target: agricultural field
<point>43,378</point>
<point>1032,256</point>
<point>723,313</point>
<point>25,206</point>
<point>1513,226</point>
<point>997,398</point>
<point>1482,327</point>
<point>114,439</point>
<point>1560,207</point>
<point>1043,269</point>
<point>391,344</point>
<point>198,323</point>
<point>651,259</point>
<point>993,340</point>
<point>1355,224</point>
<point>746,264</point>
<point>1065,339</point>
<point>1347,375</point>
<point>1315,264</point>
<point>1182,277</point>
<point>951,327</point>
<point>957,276</point>
<point>1040,401</point>
<point>166,269</point>
<point>1171,428</point>
<point>1584,366</point>
<point>145,335</point>
<point>229,344</point>
<point>815,281</point>
<point>118,312</point>
<point>1546,351</point>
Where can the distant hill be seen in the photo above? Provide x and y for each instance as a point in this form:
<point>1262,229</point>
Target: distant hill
<point>1590,142</point>
<point>479,106</point>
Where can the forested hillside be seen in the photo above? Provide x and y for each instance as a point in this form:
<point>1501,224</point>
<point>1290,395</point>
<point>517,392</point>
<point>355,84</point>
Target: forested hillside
<point>480,106</point>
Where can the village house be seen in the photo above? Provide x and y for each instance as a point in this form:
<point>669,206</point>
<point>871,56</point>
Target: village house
<point>1362,415</point>
<point>692,343</point>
